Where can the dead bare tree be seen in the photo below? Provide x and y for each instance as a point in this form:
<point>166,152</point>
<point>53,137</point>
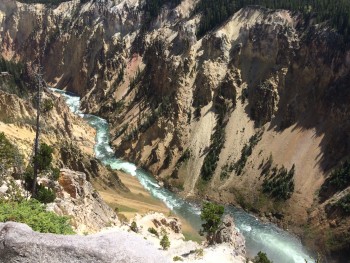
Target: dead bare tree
<point>40,84</point>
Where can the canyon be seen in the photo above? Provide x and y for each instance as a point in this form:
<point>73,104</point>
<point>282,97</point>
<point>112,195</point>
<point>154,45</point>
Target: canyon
<point>217,117</point>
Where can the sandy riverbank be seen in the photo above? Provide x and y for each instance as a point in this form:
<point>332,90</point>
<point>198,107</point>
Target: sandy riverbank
<point>139,201</point>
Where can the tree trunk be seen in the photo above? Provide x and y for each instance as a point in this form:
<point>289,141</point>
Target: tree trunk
<point>36,143</point>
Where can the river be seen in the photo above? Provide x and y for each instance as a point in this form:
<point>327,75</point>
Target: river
<point>279,245</point>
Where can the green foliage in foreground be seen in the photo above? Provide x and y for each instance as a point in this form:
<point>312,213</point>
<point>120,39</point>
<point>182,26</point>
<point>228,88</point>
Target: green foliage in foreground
<point>261,258</point>
<point>34,214</point>
<point>211,214</point>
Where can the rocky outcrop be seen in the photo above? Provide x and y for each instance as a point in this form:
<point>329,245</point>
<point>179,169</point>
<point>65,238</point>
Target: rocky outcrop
<point>19,243</point>
<point>227,233</point>
<point>161,89</point>
<point>76,197</point>
<point>153,226</point>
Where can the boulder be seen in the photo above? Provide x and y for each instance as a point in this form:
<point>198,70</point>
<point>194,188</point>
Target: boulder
<point>3,189</point>
<point>19,243</point>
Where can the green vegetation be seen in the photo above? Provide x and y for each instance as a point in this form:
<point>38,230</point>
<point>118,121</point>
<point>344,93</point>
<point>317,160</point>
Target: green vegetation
<point>9,155</point>
<point>152,7</point>
<point>280,183</point>
<point>44,157</point>
<point>153,231</point>
<point>177,258</point>
<point>165,242</point>
<point>266,167</point>
<point>337,181</point>
<point>134,227</point>
<point>45,195</point>
<point>211,214</point>
<point>160,110</point>
<point>261,258</point>
<point>246,152</point>
<point>199,252</point>
<point>211,159</point>
<point>14,81</point>
<point>222,108</point>
<point>215,12</point>
<point>217,142</point>
<point>344,204</point>
<point>183,159</point>
<point>238,166</point>
<point>185,156</point>
<point>34,214</point>
<point>47,105</point>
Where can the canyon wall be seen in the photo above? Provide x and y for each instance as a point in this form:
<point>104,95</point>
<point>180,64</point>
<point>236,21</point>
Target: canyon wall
<point>259,102</point>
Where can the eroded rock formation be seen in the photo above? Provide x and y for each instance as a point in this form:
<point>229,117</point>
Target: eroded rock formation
<point>271,83</point>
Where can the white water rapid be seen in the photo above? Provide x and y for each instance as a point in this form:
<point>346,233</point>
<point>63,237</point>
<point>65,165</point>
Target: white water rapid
<point>279,245</point>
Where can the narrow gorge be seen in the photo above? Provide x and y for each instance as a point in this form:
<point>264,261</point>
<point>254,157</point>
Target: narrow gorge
<point>251,113</point>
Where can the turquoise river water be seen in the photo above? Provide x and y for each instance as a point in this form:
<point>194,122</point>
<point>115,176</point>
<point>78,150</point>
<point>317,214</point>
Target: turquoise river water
<point>279,245</point>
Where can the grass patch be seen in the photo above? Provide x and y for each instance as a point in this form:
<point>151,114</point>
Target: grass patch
<point>192,236</point>
<point>126,209</point>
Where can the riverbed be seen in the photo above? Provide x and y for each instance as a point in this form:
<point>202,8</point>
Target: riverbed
<point>279,245</point>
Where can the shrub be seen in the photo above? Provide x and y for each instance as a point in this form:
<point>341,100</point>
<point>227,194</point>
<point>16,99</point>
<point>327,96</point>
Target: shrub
<point>55,174</point>
<point>45,195</point>
<point>261,258</point>
<point>34,214</point>
<point>177,258</point>
<point>9,154</point>
<point>153,231</point>
<point>47,105</point>
<point>134,227</point>
<point>165,243</point>
<point>199,252</point>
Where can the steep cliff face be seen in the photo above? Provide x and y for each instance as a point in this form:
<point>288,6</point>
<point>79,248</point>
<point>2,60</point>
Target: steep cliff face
<point>261,101</point>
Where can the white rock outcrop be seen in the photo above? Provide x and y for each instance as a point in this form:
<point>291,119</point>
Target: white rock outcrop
<point>19,243</point>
